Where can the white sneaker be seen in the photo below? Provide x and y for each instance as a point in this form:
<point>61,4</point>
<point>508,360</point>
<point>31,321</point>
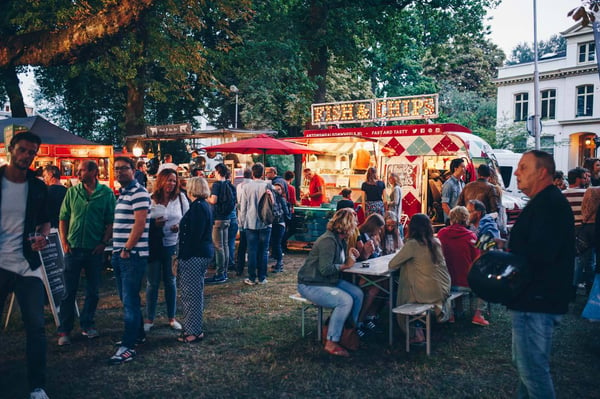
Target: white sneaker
<point>148,326</point>
<point>175,325</point>
<point>263,281</point>
<point>247,281</point>
<point>38,393</point>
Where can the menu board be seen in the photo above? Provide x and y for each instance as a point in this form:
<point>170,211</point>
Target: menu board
<point>53,266</point>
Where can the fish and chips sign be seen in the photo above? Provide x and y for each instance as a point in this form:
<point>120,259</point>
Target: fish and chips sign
<point>376,110</point>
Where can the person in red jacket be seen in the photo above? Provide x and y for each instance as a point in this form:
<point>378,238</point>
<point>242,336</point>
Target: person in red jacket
<point>460,252</point>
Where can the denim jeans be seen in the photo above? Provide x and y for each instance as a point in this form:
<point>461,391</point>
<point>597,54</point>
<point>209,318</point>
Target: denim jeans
<point>220,234</point>
<point>75,261</point>
<point>258,252</point>
<point>129,274</point>
<point>31,295</point>
<point>241,253</point>
<point>277,234</point>
<point>531,347</point>
<point>584,267</point>
<point>161,269</point>
<point>232,233</point>
<point>344,298</point>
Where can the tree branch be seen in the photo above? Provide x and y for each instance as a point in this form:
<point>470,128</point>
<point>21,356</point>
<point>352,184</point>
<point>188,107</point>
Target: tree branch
<point>57,47</point>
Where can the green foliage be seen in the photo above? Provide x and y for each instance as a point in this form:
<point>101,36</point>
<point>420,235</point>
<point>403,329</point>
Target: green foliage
<point>524,52</point>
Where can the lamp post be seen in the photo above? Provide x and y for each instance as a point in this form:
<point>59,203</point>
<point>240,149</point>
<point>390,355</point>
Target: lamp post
<point>537,128</point>
<point>235,90</point>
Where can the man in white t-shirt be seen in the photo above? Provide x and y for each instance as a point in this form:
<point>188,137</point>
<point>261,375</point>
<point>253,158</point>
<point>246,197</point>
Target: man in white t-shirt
<point>19,259</point>
<point>168,164</point>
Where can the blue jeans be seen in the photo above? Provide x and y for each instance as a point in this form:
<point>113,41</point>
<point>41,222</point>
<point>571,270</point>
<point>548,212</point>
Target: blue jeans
<point>232,233</point>
<point>277,235</point>
<point>75,261</point>
<point>220,234</point>
<point>31,295</point>
<point>161,269</point>
<point>258,252</point>
<point>129,274</point>
<point>531,347</point>
<point>584,267</point>
<point>344,298</point>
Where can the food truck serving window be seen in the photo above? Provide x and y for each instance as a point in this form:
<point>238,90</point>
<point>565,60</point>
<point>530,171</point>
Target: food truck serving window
<point>68,167</point>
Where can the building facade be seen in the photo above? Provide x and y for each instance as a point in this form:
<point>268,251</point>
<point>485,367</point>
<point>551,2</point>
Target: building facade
<point>569,98</point>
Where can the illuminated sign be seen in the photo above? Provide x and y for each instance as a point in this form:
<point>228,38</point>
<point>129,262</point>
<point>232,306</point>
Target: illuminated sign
<point>376,110</point>
<point>169,130</point>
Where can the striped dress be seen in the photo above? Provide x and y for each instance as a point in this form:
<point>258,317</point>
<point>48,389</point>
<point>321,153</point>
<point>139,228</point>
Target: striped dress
<point>132,198</point>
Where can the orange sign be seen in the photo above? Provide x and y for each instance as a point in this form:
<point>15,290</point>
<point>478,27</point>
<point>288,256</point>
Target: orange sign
<point>376,110</point>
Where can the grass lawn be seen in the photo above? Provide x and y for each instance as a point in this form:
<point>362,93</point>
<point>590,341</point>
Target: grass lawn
<point>253,349</point>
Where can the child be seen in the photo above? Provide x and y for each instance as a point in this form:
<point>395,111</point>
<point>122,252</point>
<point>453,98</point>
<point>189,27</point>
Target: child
<point>391,235</point>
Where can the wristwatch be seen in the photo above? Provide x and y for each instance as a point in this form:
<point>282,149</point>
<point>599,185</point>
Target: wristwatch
<point>126,249</point>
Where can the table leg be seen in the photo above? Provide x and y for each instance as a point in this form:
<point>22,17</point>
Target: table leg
<point>390,307</point>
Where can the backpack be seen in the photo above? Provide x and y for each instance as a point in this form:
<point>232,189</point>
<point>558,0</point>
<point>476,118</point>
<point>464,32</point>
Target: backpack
<point>269,207</point>
<point>225,201</point>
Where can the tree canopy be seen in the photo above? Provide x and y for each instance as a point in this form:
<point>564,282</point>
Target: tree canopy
<point>174,60</point>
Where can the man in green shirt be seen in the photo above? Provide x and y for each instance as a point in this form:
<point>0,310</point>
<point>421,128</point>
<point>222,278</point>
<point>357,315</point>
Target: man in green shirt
<point>85,227</point>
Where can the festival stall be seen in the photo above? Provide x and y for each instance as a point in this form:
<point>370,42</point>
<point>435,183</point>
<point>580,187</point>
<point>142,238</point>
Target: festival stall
<point>59,147</point>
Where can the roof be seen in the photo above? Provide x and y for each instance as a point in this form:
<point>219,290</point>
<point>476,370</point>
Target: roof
<point>48,132</point>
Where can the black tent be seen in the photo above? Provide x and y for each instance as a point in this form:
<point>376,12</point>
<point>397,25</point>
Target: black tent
<point>49,133</point>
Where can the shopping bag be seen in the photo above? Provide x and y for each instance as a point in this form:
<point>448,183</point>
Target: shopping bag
<point>592,308</point>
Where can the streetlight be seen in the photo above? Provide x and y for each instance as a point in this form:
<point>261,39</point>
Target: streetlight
<point>235,90</point>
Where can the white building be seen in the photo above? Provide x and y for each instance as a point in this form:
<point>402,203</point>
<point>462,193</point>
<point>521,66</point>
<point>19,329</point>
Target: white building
<point>5,111</point>
<point>569,97</point>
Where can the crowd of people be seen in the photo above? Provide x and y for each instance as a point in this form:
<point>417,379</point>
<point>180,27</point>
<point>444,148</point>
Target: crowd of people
<point>174,235</point>
<point>431,267</point>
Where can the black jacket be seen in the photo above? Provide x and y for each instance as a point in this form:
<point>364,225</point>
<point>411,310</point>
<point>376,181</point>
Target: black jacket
<point>545,235</point>
<point>36,213</point>
<point>195,232</point>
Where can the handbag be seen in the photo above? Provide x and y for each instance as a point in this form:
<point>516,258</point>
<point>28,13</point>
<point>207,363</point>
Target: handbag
<point>349,339</point>
<point>499,277</point>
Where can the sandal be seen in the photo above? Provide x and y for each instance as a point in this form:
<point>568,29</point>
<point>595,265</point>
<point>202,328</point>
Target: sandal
<point>185,338</point>
<point>337,351</point>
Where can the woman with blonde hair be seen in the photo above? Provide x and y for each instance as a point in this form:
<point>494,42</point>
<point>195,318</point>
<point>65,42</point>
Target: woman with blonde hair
<point>374,193</point>
<point>167,209</point>
<point>195,252</point>
<point>319,278</point>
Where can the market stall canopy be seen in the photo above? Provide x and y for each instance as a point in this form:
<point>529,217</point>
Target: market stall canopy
<point>262,144</point>
<point>48,132</point>
<point>223,134</point>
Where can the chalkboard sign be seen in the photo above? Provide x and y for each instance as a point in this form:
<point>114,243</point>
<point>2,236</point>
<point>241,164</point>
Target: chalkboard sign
<point>53,266</point>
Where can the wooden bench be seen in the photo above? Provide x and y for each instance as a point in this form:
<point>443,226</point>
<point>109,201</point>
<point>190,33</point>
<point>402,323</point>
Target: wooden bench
<point>420,312</point>
<point>306,304</point>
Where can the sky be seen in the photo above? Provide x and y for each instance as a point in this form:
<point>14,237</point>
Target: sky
<point>512,21</point>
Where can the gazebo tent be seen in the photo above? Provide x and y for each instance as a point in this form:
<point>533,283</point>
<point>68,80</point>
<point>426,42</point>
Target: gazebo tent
<point>61,148</point>
<point>49,132</point>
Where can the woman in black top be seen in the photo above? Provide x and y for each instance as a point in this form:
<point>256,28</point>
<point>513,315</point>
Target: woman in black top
<point>195,252</point>
<point>374,193</point>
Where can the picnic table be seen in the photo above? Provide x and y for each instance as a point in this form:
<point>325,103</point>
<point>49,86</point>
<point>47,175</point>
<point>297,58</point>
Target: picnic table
<point>374,275</point>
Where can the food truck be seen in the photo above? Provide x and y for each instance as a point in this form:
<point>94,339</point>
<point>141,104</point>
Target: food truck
<point>419,154</point>
<point>61,148</point>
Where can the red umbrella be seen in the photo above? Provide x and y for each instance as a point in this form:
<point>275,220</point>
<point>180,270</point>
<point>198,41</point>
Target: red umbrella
<point>262,144</point>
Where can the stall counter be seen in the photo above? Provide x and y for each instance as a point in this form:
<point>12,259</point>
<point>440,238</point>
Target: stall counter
<point>309,222</point>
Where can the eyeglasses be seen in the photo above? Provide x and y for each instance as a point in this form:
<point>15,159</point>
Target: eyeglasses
<point>122,168</point>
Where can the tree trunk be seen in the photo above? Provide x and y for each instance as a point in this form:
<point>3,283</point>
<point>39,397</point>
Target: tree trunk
<point>319,63</point>
<point>134,113</point>
<point>11,83</point>
<point>57,46</point>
